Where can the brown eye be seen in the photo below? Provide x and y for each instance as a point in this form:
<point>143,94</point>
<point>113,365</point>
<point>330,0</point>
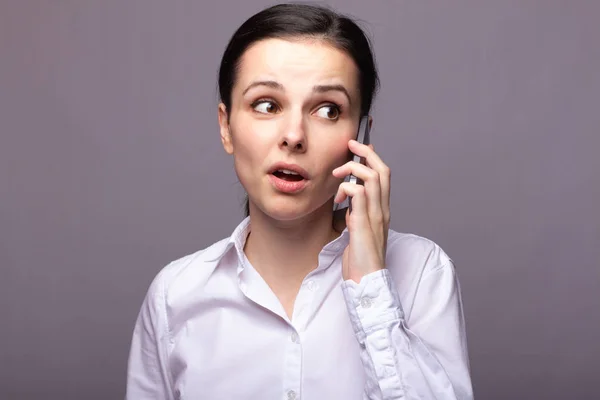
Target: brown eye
<point>265,107</point>
<point>330,111</point>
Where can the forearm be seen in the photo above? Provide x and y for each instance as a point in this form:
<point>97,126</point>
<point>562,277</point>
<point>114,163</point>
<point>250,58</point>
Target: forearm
<point>398,362</point>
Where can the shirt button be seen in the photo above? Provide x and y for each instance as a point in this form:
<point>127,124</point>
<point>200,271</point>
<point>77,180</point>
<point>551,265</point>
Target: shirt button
<point>294,337</point>
<point>291,395</point>
<point>311,285</point>
<point>365,302</point>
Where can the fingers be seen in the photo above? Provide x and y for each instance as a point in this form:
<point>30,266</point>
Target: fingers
<point>358,197</point>
<point>375,162</point>
<point>376,175</point>
<point>372,189</point>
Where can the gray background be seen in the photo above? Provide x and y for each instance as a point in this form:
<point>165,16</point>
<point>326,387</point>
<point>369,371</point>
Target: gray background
<point>111,166</point>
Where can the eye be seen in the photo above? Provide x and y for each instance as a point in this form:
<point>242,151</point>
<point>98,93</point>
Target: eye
<point>329,111</point>
<point>265,106</point>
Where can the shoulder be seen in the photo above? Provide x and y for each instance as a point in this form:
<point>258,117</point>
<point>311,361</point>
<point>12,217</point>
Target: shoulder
<point>415,247</point>
<point>416,264</point>
<point>185,274</point>
<point>411,257</point>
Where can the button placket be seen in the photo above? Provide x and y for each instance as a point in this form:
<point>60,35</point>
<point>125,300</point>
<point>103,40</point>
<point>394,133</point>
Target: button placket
<point>293,359</point>
<point>304,300</point>
<point>292,369</point>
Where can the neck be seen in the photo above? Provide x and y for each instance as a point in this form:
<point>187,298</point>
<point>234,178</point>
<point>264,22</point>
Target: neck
<point>284,252</point>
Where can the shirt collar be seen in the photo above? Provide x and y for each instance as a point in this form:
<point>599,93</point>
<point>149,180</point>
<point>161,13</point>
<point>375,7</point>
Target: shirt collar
<point>238,238</point>
<point>338,245</point>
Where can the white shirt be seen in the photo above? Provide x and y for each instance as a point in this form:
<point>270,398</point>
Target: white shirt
<point>211,328</point>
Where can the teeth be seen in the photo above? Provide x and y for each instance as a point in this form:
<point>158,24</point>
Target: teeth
<point>287,171</point>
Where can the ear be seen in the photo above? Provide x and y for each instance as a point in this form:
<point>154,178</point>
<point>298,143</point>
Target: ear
<point>224,128</point>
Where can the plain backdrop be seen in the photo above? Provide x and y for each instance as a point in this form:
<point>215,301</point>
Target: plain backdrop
<point>111,166</point>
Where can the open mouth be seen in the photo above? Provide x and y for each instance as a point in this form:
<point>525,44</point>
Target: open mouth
<point>288,175</point>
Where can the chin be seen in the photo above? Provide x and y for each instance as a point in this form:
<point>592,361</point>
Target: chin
<point>289,209</point>
<point>285,212</point>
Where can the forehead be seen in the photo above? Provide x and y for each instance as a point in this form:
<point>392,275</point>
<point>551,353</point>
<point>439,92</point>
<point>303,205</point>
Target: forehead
<point>297,62</point>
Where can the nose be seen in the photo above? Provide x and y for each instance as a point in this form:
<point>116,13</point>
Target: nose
<point>294,136</point>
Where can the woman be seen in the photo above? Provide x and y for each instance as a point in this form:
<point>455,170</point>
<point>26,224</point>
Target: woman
<point>298,303</point>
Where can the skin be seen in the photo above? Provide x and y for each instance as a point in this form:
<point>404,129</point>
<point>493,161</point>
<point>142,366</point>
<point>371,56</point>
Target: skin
<point>287,120</point>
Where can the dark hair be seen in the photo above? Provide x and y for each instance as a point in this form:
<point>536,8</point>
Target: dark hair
<point>293,20</point>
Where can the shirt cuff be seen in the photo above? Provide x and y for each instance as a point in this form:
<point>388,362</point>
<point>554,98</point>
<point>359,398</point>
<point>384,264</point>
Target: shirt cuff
<point>373,303</point>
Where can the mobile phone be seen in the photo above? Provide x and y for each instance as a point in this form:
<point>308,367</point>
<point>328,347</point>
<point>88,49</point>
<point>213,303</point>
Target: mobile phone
<point>362,136</point>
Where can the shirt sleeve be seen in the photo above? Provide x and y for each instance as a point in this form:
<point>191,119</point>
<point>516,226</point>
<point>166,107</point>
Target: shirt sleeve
<point>147,376</point>
<point>423,358</point>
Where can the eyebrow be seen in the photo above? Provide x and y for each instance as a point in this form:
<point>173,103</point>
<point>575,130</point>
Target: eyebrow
<point>332,88</point>
<point>317,88</point>
<point>271,84</point>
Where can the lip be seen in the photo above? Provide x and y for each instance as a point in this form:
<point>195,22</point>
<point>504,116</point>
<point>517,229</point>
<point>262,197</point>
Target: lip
<point>291,167</point>
<point>287,186</point>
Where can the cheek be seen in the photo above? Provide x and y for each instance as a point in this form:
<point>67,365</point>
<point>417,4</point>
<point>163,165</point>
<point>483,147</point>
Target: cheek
<point>247,143</point>
<point>249,150</point>
<point>246,151</point>
<point>337,151</point>
<point>338,154</point>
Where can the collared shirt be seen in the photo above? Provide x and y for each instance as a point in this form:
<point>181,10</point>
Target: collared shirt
<point>211,328</point>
